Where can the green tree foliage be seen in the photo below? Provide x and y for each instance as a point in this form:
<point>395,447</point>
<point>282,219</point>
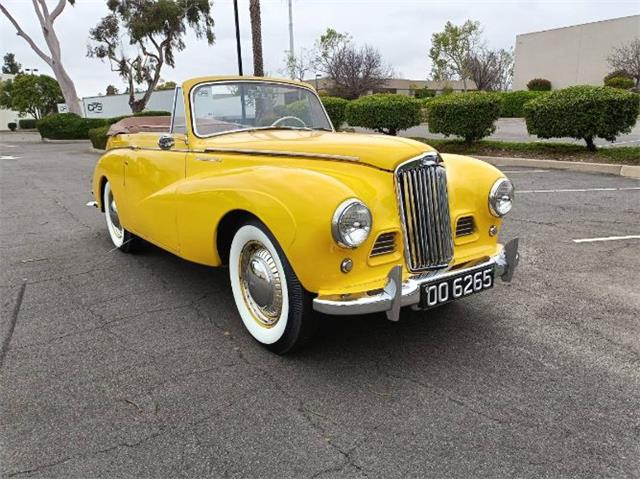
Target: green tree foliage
<point>111,90</point>
<point>539,85</point>
<point>583,112</point>
<point>34,95</point>
<point>385,113</point>
<point>336,109</point>
<point>154,31</point>
<point>451,50</point>
<point>166,86</point>
<point>10,65</point>
<point>470,115</point>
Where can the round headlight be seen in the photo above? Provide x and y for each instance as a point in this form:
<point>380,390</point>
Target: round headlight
<point>351,223</point>
<point>501,197</point>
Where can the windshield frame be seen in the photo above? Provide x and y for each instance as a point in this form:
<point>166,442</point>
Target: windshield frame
<point>192,122</point>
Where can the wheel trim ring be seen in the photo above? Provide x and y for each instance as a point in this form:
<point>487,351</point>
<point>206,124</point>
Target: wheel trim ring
<point>111,214</point>
<point>266,316</point>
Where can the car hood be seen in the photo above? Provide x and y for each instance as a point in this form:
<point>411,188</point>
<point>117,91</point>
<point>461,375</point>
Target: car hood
<point>380,151</point>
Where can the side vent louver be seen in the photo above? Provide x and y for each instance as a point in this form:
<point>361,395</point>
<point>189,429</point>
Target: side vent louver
<point>385,243</point>
<point>465,226</point>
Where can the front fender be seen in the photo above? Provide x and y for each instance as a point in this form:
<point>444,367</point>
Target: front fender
<point>297,205</point>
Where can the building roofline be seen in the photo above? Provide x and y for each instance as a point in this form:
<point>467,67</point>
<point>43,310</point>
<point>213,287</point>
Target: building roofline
<point>577,25</point>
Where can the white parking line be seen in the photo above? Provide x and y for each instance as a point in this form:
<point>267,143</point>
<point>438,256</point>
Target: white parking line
<point>565,190</point>
<point>525,171</point>
<point>606,239</point>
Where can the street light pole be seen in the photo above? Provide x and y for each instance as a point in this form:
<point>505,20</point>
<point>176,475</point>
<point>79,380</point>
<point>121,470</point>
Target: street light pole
<point>239,49</point>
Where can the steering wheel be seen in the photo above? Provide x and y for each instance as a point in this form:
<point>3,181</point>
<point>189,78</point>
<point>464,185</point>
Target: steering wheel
<point>290,117</point>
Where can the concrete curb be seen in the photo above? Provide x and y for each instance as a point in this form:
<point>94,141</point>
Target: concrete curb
<point>49,140</point>
<point>631,171</point>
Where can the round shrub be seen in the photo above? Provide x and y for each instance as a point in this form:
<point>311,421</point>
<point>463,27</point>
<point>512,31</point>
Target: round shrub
<point>12,126</point>
<point>67,126</point>
<point>624,83</point>
<point>98,137</point>
<point>27,123</point>
<point>539,85</point>
<point>583,112</point>
<point>469,115</point>
<point>512,103</point>
<point>617,73</point>
<point>424,93</point>
<point>384,112</point>
<point>335,107</point>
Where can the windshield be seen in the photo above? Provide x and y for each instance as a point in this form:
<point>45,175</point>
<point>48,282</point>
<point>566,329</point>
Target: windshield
<point>225,107</point>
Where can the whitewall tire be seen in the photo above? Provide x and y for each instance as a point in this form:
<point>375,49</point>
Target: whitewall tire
<point>122,239</point>
<point>272,303</point>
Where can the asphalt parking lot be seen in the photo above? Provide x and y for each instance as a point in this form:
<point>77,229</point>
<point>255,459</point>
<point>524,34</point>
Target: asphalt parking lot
<point>118,365</point>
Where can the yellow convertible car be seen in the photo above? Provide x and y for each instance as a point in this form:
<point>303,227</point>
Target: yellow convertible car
<point>250,173</point>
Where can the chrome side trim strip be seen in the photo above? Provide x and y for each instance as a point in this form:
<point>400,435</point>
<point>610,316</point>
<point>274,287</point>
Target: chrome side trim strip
<point>282,153</point>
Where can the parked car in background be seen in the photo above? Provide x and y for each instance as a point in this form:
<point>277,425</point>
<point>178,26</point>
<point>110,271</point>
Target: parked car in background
<point>250,173</point>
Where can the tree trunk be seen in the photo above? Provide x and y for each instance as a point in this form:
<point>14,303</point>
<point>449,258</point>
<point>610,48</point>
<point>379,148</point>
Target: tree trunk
<point>68,89</point>
<point>590,145</point>
<point>256,37</point>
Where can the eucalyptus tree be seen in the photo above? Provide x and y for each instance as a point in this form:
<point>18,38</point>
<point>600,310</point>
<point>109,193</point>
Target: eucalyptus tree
<point>139,37</point>
<point>46,19</point>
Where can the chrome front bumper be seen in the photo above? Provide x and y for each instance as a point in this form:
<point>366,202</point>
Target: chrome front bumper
<point>397,294</point>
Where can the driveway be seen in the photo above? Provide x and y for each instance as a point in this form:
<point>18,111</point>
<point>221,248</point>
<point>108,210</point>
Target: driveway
<point>138,365</point>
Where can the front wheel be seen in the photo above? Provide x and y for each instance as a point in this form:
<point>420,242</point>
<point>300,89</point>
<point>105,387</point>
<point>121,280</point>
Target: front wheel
<point>273,305</point>
<point>122,239</point>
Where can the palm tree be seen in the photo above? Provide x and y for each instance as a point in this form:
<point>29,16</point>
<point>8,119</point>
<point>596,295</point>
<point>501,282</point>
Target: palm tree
<point>256,36</point>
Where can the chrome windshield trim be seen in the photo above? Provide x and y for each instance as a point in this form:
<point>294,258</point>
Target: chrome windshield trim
<point>234,82</point>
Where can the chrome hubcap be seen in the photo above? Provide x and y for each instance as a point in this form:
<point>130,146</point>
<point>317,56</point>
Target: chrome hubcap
<point>260,283</point>
<point>113,216</point>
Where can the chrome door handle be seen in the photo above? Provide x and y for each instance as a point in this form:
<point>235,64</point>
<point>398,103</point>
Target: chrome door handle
<point>209,159</point>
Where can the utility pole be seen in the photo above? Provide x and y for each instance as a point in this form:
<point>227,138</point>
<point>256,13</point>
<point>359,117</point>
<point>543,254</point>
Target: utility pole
<point>235,12</point>
<point>291,51</point>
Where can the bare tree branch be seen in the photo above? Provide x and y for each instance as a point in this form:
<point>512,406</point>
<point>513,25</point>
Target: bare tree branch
<point>23,34</point>
<point>57,11</point>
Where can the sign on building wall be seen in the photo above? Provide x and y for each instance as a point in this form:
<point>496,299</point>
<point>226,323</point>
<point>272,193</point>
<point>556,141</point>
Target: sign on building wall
<point>117,105</point>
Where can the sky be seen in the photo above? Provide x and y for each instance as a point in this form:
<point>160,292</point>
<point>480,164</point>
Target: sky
<point>400,29</point>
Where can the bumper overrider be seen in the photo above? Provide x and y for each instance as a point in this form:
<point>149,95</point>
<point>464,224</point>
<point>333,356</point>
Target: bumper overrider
<point>397,294</point>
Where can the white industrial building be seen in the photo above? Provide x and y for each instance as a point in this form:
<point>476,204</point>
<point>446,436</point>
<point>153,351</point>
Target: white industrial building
<point>575,55</point>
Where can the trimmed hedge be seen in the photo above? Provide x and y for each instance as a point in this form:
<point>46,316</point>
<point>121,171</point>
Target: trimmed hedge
<point>539,85</point>
<point>98,137</point>
<point>470,115</point>
<point>67,126</point>
<point>384,112</point>
<point>583,112</point>
<point>27,123</point>
<point>336,109</point>
<point>512,103</point>
<point>624,83</point>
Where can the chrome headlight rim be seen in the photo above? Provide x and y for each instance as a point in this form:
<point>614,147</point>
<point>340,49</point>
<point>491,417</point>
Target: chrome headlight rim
<point>337,216</point>
<point>493,196</point>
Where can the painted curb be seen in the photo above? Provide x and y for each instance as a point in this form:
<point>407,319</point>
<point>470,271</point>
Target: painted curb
<point>632,171</point>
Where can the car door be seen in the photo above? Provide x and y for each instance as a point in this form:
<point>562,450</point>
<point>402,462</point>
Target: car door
<point>151,177</point>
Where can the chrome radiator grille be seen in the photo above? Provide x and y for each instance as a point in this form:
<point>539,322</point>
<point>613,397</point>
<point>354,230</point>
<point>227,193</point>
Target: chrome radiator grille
<point>424,208</point>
